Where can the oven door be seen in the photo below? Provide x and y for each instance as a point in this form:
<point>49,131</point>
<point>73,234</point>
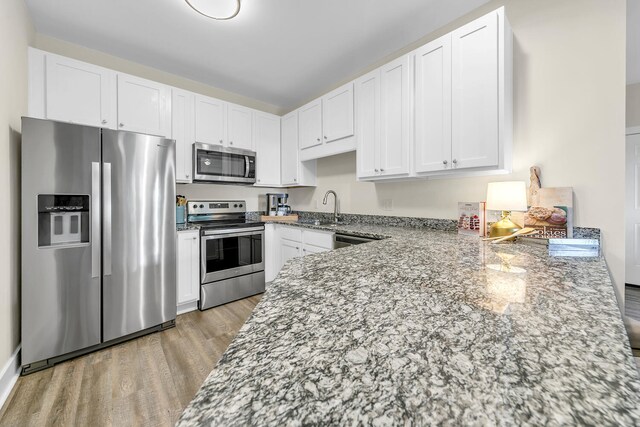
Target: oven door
<point>231,253</point>
<point>220,164</point>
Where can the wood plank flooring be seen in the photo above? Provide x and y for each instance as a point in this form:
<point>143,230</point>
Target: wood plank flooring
<point>144,382</point>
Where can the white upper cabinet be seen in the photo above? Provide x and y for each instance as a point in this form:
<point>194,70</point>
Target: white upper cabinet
<point>337,113</point>
<point>78,92</point>
<point>183,131</point>
<point>327,124</point>
<point>310,124</point>
<point>395,123</point>
<point>210,120</point>
<point>433,106</point>
<point>293,171</point>
<point>266,131</point>
<point>475,98</point>
<point>367,93</point>
<point>240,126</point>
<point>143,106</point>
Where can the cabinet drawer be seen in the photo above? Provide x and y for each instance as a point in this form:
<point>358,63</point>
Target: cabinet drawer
<point>291,233</point>
<point>318,238</point>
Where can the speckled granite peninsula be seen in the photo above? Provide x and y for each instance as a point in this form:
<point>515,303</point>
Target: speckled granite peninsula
<point>428,328</point>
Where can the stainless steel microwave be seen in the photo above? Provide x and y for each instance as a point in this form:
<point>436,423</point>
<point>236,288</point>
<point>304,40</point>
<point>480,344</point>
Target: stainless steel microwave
<point>213,163</point>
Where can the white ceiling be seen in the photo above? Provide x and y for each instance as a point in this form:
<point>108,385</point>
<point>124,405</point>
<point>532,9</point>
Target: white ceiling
<point>282,52</point>
<point>633,41</point>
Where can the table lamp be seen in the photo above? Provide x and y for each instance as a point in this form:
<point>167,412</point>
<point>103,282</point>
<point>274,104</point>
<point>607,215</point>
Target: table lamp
<point>506,197</point>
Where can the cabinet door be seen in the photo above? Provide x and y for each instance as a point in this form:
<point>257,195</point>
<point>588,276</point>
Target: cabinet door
<point>433,106</point>
<point>143,106</point>
<point>367,92</point>
<point>80,93</point>
<point>240,126</point>
<point>310,122</point>
<point>395,124</point>
<point>267,143</point>
<point>210,120</point>
<point>183,131</point>
<point>188,267</point>
<point>337,113</point>
<point>290,164</point>
<point>289,249</point>
<point>474,66</point>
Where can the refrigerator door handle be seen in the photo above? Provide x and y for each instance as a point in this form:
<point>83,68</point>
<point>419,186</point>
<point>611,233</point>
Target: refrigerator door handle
<point>106,185</point>
<point>95,219</point>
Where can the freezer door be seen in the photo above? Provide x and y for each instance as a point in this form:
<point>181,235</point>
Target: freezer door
<point>139,232</point>
<point>60,238</point>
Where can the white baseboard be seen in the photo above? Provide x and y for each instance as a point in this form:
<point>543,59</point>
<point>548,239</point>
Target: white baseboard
<point>9,375</point>
<point>187,307</point>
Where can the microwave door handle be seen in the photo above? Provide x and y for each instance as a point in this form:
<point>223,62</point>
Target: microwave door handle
<point>247,166</point>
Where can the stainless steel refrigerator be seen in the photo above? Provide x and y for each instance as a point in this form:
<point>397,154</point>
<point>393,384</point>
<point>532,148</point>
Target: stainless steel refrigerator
<point>98,238</point>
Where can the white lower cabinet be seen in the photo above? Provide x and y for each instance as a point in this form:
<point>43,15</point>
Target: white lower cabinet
<point>188,270</point>
<point>284,243</point>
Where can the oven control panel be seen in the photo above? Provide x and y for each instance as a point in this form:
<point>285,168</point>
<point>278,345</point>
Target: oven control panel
<point>208,207</point>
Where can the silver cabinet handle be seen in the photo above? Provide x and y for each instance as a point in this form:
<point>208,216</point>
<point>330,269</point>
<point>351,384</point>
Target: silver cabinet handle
<point>444,162</point>
<point>104,122</point>
<point>95,219</point>
<point>106,185</point>
<point>121,125</point>
<point>454,161</point>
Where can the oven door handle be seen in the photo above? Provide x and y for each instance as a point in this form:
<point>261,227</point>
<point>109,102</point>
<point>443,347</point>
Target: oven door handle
<point>213,234</point>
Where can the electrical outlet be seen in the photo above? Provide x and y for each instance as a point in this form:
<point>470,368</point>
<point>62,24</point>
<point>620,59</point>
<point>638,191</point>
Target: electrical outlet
<point>387,204</point>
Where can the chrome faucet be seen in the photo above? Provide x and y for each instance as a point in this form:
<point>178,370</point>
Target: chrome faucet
<point>335,204</point>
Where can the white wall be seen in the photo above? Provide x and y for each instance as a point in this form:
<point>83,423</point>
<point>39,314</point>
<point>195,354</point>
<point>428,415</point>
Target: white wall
<point>569,119</point>
<point>16,32</point>
<point>633,104</point>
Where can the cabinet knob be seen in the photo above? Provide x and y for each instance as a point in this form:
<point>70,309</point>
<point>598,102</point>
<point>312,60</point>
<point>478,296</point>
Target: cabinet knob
<point>295,179</point>
<point>381,170</point>
<point>121,125</point>
<point>297,247</point>
<point>317,139</point>
<point>187,175</point>
<point>258,180</point>
<point>230,142</point>
<point>376,170</point>
<point>325,137</point>
<point>444,162</point>
<point>195,238</point>
<point>304,250</point>
<point>104,122</point>
<point>454,161</point>
<point>220,141</point>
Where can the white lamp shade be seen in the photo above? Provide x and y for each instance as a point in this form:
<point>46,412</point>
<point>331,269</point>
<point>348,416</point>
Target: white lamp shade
<point>507,196</point>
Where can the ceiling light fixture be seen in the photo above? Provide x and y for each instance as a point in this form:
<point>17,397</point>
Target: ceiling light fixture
<point>221,10</point>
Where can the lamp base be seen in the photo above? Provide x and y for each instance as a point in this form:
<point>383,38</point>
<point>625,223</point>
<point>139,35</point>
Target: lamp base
<point>504,227</point>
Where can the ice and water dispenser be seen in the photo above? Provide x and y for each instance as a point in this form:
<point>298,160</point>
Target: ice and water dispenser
<point>63,219</point>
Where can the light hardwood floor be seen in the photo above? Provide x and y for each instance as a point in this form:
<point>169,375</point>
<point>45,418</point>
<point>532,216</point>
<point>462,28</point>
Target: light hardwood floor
<point>144,382</point>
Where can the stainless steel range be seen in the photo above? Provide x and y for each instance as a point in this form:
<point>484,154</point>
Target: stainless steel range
<point>231,251</point>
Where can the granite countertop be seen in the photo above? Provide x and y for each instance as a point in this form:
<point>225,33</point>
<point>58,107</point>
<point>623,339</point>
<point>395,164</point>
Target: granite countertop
<point>428,328</point>
<point>187,226</point>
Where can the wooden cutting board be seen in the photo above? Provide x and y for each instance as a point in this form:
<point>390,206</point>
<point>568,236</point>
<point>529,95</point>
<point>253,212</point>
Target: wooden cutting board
<point>286,218</point>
